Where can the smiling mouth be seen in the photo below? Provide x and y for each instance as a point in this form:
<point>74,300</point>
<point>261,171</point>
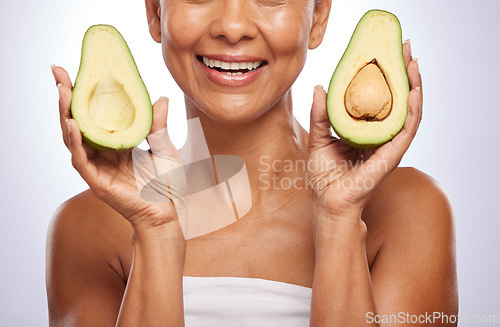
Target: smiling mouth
<point>231,68</point>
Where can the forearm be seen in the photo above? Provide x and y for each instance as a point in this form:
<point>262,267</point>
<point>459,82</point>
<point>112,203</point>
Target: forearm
<point>154,295</point>
<point>342,291</point>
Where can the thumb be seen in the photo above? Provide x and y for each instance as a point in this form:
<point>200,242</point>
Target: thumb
<point>160,113</point>
<point>319,132</point>
<point>158,139</point>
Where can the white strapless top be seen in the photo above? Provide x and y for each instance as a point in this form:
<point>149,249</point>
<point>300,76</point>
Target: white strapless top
<point>241,302</point>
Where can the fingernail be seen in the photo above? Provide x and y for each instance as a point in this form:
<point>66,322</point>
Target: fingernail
<point>52,69</point>
<point>418,91</point>
<point>59,85</point>
<point>409,43</point>
<point>165,99</point>
<point>416,61</point>
<point>318,87</point>
<point>68,125</point>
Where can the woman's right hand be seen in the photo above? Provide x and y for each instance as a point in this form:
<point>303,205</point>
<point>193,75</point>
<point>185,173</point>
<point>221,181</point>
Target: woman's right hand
<point>115,177</point>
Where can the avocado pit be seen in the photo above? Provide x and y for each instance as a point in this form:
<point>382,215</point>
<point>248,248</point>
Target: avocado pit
<point>368,96</point>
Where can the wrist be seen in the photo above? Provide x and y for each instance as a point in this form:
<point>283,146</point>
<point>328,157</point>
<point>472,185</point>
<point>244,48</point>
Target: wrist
<point>147,231</point>
<point>338,204</point>
<point>342,214</point>
<point>337,226</point>
<point>159,257</point>
<point>164,241</point>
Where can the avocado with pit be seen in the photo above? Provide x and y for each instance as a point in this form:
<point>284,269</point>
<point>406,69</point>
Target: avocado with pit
<point>110,102</point>
<point>367,98</point>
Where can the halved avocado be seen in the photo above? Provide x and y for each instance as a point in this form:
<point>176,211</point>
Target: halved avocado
<point>110,102</point>
<point>368,94</point>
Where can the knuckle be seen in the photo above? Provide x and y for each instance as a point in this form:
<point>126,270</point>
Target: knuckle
<point>102,191</point>
<point>75,162</point>
<point>66,143</point>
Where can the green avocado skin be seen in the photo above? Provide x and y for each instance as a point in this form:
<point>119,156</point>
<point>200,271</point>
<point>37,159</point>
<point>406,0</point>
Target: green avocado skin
<point>362,146</point>
<point>81,86</point>
<point>99,147</point>
<point>366,43</point>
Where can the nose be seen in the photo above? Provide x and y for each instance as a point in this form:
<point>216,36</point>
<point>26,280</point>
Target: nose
<point>234,20</point>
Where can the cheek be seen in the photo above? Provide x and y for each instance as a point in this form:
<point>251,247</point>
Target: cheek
<point>289,40</point>
<point>181,29</point>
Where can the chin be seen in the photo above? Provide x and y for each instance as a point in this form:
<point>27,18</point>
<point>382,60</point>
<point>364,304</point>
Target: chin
<point>233,116</point>
<point>233,112</point>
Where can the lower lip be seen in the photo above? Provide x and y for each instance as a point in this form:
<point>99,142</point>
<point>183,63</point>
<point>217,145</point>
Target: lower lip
<point>231,80</point>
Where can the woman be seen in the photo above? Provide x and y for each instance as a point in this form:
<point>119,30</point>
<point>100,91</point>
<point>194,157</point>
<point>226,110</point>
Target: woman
<point>366,252</point>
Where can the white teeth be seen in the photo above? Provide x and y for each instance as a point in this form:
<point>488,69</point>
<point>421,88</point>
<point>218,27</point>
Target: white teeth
<point>231,65</point>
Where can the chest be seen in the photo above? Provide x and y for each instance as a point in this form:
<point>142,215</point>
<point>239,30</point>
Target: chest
<point>277,247</point>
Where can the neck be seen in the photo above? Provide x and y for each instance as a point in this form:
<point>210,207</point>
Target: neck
<point>275,138</point>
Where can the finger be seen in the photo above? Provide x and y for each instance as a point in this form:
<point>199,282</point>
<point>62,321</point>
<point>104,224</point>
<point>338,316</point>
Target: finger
<point>158,139</point>
<point>79,157</point>
<point>160,114</point>
<point>64,109</point>
<point>407,53</point>
<point>319,131</point>
<point>415,80</point>
<point>65,87</point>
<point>393,151</point>
<point>414,77</point>
<point>61,76</point>
<point>409,130</point>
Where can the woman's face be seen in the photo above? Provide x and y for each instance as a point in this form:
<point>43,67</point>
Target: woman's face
<point>235,59</point>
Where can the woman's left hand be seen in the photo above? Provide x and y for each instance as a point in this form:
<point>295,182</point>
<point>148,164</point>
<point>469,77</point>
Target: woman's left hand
<point>343,178</point>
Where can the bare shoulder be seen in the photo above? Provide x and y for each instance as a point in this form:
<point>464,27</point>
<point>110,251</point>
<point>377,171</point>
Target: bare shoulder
<point>411,198</point>
<point>410,207</point>
<point>85,276</point>
<point>411,244</point>
<point>85,225</point>
<point>86,219</point>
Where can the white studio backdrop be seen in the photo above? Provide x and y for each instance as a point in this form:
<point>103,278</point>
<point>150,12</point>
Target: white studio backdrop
<point>456,43</point>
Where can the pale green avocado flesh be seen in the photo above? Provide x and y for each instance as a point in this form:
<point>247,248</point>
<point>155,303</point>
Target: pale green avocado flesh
<point>110,102</point>
<point>375,41</point>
